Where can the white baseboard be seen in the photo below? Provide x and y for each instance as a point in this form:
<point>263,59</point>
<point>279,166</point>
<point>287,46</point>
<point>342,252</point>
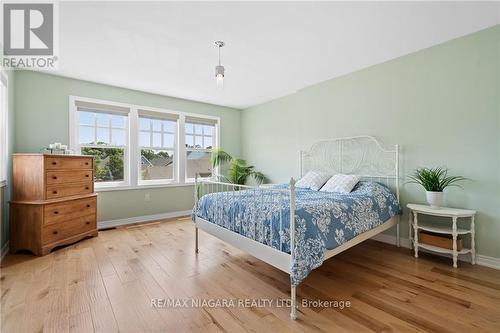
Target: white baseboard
<point>139,219</point>
<point>481,260</point>
<point>4,251</point>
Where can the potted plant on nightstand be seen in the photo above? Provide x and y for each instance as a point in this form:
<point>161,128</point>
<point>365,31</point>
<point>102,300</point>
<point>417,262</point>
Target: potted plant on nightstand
<point>434,180</point>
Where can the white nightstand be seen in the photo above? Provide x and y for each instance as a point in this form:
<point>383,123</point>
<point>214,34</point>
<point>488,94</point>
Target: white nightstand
<point>454,231</point>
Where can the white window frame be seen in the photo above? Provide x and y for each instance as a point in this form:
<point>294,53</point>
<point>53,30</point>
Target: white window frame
<point>76,146</point>
<point>4,128</point>
<point>215,144</point>
<point>175,148</point>
<point>132,156</point>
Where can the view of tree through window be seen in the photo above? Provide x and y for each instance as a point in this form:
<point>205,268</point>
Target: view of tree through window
<point>108,163</point>
<point>157,146</point>
<point>103,136</point>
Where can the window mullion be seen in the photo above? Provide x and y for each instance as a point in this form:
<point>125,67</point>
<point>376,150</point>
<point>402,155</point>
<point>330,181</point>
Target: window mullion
<point>95,129</point>
<point>134,150</point>
<point>181,150</point>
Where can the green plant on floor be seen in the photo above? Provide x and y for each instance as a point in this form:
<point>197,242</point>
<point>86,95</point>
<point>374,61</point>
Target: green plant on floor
<point>239,172</point>
<point>434,179</point>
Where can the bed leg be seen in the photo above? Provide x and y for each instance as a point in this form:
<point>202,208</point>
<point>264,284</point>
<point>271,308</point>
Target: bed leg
<point>398,241</point>
<point>196,240</point>
<point>293,308</point>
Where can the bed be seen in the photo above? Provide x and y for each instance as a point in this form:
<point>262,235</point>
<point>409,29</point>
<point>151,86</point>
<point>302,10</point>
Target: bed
<point>296,229</point>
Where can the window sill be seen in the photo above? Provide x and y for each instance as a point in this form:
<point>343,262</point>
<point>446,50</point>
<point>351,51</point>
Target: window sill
<point>140,187</point>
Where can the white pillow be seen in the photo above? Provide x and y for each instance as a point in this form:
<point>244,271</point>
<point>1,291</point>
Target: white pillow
<point>313,180</point>
<point>340,183</point>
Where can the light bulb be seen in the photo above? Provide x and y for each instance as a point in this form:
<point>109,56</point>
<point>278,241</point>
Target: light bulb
<point>219,76</point>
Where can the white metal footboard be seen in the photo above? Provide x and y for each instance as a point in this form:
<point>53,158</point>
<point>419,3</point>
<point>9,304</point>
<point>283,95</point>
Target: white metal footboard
<point>257,245</point>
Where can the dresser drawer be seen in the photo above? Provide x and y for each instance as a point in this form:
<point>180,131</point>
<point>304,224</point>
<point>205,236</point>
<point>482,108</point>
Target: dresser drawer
<point>65,190</point>
<point>55,163</point>
<point>69,210</point>
<point>66,176</point>
<point>59,231</point>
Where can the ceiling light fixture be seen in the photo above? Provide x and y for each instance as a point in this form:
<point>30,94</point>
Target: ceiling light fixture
<point>219,69</point>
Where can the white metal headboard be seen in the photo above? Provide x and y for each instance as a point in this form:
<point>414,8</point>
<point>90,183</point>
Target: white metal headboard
<point>361,155</point>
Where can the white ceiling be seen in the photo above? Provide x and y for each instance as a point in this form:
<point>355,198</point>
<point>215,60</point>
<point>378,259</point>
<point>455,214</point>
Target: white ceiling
<point>273,49</point>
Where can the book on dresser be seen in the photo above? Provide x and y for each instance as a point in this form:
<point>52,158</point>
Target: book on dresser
<point>53,201</point>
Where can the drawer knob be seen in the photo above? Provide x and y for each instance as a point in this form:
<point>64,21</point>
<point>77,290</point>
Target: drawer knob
<point>54,163</point>
<point>56,212</point>
<point>54,192</point>
<point>88,205</point>
<point>87,222</point>
<point>87,176</point>
<point>54,232</point>
<point>54,177</point>
<point>86,187</point>
<point>86,163</point>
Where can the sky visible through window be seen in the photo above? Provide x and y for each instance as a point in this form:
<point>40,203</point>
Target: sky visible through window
<point>101,128</point>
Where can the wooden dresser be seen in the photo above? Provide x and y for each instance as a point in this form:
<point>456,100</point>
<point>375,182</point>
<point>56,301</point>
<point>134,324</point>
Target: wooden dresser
<point>53,201</point>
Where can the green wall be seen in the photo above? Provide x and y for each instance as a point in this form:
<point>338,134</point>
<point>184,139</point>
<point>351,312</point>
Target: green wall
<point>5,191</point>
<point>42,103</point>
<point>440,104</point>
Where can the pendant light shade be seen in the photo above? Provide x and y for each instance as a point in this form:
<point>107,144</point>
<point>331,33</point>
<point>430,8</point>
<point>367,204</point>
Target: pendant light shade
<point>219,69</point>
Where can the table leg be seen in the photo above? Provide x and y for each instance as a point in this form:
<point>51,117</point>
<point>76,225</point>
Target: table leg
<point>415,228</point>
<point>454,234</point>
<point>397,232</point>
<point>410,237</point>
<point>472,241</point>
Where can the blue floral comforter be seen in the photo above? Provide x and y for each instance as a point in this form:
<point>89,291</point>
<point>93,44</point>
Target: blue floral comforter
<point>323,220</point>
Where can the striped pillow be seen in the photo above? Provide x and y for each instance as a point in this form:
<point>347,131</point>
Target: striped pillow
<point>340,183</point>
<point>313,180</point>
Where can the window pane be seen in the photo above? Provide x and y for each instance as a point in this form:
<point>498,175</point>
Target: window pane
<point>102,119</point>
<point>144,138</point>
<point>103,136</point>
<point>189,128</point>
<point>208,130</point>
<point>144,124</point>
<point>198,129</point>
<point>118,137</point>
<point>156,164</point>
<point>156,139</point>
<point>86,134</point>
<point>118,121</point>
<point>168,126</point>
<point>198,141</point>
<point>86,118</point>
<point>156,125</point>
<point>168,140</point>
<point>198,162</point>
<point>108,163</point>
<point>207,142</point>
<point>189,141</point>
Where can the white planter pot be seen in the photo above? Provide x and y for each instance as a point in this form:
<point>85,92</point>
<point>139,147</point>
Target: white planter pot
<point>435,199</point>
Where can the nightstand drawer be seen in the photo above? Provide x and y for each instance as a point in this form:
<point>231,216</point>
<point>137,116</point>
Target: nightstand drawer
<point>69,210</point>
<point>64,190</point>
<point>54,163</point>
<point>60,176</point>
<point>55,232</point>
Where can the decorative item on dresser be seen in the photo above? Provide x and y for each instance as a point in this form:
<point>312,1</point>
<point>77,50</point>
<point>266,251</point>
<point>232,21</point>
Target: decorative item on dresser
<point>456,248</point>
<point>53,201</point>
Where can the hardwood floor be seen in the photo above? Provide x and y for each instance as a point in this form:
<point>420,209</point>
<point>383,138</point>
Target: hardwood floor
<point>106,284</point>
